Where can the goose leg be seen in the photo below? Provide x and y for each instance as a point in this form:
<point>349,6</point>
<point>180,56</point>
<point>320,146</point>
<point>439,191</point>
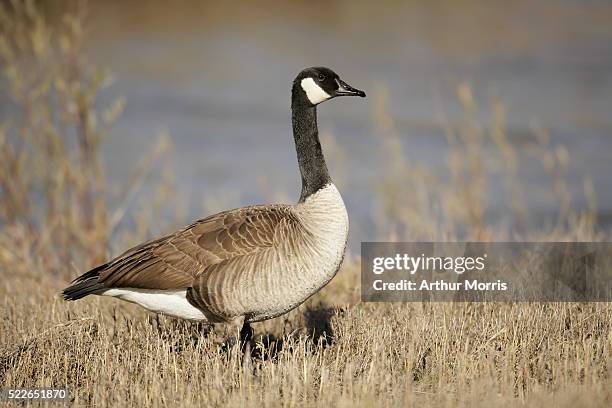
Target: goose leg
<point>246,333</point>
<point>243,331</point>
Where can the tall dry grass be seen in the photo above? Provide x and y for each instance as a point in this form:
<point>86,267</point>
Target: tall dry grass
<point>418,204</point>
<point>334,350</point>
<point>52,184</point>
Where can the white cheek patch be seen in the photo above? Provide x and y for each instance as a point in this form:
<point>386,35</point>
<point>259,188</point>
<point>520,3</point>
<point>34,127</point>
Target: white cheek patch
<point>313,91</point>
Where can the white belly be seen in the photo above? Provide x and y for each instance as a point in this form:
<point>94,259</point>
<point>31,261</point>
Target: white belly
<point>168,302</point>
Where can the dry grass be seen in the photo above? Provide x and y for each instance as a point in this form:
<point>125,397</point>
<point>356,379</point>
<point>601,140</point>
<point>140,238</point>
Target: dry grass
<point>109,353</point>
<point>331,351</point>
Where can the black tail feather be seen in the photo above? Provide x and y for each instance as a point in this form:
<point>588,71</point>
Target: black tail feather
<point>86,284</point>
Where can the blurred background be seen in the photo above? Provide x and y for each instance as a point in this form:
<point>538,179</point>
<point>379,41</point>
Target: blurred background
<point>124,120</point>
<point>484,120</point>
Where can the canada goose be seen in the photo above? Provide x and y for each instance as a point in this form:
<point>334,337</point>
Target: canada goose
<point>248,264</point>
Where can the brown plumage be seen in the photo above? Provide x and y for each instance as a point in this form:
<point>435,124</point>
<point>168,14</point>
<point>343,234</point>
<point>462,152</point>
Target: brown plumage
<point>187,258</point>
<point>176,260</point>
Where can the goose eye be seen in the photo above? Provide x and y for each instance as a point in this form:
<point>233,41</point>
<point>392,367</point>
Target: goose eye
<point>321,77</point>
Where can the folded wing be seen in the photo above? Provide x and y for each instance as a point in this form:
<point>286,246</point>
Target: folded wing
<point>174,261</point>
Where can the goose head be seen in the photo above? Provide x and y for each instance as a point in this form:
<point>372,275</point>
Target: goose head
<point>318,84</point>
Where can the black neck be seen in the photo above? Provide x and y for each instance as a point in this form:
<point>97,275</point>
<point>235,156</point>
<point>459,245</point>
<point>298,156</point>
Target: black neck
<point>310,156</point>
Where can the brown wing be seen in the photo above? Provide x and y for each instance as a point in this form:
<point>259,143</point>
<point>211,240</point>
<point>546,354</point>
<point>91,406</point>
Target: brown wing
<point>174,261</point>
<point>226,287</point>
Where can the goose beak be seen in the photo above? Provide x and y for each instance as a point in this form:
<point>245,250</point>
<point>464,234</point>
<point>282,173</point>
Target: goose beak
<point>345,89</point>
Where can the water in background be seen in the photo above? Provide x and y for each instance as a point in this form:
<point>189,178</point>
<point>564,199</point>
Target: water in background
<point>218,77</point>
